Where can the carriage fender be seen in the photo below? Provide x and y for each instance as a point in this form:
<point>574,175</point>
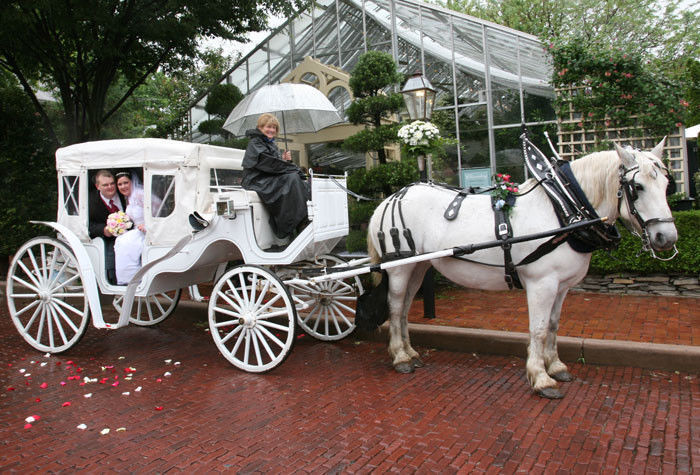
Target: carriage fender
<point>87,273</point>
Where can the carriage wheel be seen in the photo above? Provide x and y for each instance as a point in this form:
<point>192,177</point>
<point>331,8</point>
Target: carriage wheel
<point>331,312</point>
<point>251,318</point>
<point>152,309</point>
<point>46,296</point>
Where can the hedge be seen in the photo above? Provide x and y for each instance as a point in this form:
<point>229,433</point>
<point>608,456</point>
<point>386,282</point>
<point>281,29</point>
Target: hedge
<point>625,258</point>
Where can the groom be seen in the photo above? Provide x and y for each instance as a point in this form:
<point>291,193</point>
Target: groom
<point>106,201</point>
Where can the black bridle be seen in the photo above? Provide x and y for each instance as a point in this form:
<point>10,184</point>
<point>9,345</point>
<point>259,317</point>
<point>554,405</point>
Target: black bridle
<point>628,189</point>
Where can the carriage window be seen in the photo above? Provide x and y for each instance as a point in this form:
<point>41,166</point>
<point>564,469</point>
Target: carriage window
<point>162,195</point>
<point>70,194</point>
<point>222,179</point>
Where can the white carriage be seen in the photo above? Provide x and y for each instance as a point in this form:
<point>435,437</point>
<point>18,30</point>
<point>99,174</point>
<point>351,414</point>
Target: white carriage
<point>54,283</point>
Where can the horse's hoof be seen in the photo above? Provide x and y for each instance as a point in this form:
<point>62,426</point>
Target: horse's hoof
<point>549,393</point>
<point>404,368</point>
<point>563,376</point>
<point>417,362</point>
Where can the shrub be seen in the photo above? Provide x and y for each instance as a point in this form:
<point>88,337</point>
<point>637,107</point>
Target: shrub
<point>625,259</point>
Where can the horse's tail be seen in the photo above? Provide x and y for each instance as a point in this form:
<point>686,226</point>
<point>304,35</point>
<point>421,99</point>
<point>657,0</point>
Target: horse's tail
<point>372,306</point>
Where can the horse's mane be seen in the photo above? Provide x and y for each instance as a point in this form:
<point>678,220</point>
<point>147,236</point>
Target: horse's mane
<point>598,175</point>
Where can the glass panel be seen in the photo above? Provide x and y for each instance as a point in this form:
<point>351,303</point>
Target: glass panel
<point>222,179</point>
<point>340,98</point>
<point>162,195</point>
<point>538,108</point>
<point>469,44</point>
<point>71,195</point>
<point>279,54</point>
<point>506,105</point>
<point>439,73</point>
<point>474,137</point>
<point>237,77</point>
<point>257,65</point>
<point>327,36</point>
<point>509,158</point>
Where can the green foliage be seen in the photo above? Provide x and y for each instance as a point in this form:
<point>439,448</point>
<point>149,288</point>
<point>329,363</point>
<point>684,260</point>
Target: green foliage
<point>371,139</point>
<point>374,71</point>
<point>625,258</point>
<point>370,81</point>
<point>693,91</point>
<point>28,179</point>
<point>616,87</point>
<point>222,99</point>
<point>83,49</point>
<point>211,126</point>
<point>356,240</point>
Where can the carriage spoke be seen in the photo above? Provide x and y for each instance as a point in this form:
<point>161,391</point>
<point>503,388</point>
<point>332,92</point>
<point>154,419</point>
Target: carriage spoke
<point>225,311</point>
<point>311,313</point>
<point>26,284</point>
<point>26,327</point>
<point>56,274</point>
<point>263,293</point>
<point>343,306</point>
<point>64,283</point>
<point>231,334</point>
<point>246,349</point>
<point>37,271</point>
<point>244,292</point>
<point>341,314</point>
<point>228,300</point>
<point>31,305</point>
<point>49,326</point>
<point>68,307</point>
<point>256,345</point>
<point>157,302</point>
<point>226,323</point>
<point>278,313</point>
<point>44,272</point>
<point>69,294</point>
<point>253,288</point>
<point>265,345</point>
<point>29,274</point>
<point>57,322</point>
<point>65,317</point>
<point>320,317</point>
<point>276,326</point>
<point>40,331</point>
<point>269,303</point>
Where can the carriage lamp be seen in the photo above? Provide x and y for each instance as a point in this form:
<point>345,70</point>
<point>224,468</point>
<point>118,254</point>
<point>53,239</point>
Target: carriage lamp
<point>224,207</point>
<point>419,96</point>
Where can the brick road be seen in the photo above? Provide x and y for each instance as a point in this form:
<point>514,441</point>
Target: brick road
<point>330,407</point>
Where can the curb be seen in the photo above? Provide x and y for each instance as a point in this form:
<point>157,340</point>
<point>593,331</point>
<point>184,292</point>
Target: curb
<point>586,350</point>
<point>571,349</point>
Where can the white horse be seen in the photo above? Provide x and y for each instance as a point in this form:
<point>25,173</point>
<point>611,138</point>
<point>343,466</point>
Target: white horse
<point>547,280</point>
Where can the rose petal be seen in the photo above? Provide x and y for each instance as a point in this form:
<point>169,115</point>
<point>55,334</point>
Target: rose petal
<point>63,383</point>
<point>167,361</point>
<point>137,389</point>
<point>159,408</point>
<point>43,385</point>
<point>125,393</point>
<point>167,373</point>
<point>158,380</point>
<point>37,400</point>
<point>10,388</point>
<point>43,364</point>
<point>65,404</point>
<point>30,419</point>
<point>104,431</point>
<point>177,363</point>
<point>121,429</point>
<point>27,426</point>
<point>88,395</point>
<point>116,383</point>
<point>81,426</point>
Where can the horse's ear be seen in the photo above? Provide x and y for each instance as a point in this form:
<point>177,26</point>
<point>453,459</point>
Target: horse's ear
<point>626,156</point>
<point>658,151</point>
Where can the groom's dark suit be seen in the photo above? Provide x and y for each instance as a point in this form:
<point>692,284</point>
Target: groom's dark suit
<point>98,213</point>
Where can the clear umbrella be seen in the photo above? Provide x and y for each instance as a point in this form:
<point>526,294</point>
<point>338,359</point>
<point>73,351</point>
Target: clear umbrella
<point>300,108</point>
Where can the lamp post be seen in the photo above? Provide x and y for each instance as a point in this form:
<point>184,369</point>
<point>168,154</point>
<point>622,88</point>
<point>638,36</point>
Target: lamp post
<point>419,96</point>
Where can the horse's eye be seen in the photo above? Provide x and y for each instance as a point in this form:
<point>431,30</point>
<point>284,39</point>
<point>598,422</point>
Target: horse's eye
<point>638,187</point>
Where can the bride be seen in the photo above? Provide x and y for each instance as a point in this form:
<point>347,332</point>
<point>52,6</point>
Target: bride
<point>129,246</point>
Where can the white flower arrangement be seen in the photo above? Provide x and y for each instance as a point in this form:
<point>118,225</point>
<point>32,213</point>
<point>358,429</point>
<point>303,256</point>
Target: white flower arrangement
<point>419,133</point>
<point>118,223</point>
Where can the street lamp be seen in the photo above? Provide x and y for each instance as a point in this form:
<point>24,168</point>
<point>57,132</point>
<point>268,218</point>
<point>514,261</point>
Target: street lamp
<point>419,96</point>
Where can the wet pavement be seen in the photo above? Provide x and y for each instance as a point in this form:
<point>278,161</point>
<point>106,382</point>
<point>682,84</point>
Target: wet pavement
<point>172,402</point>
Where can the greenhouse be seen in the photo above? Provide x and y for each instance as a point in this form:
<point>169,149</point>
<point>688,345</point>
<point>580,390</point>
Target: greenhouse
<point>489,79</point>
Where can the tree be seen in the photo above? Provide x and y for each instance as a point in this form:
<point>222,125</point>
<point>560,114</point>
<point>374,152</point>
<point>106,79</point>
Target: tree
<point>82,48</point>
<point>220,102</point>
<point>374,74</point>
<point>658,31</point>
<point>28,180</point>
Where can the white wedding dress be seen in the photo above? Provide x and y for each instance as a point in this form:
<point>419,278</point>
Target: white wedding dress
<point>129,246</point>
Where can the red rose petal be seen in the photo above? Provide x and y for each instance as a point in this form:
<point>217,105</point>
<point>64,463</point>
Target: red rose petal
<point>43,385</point>
<point>65,404</point>
<point>27,426</point>
<point>116,383</point>
<point>10,388</point>
<point>37,400</point>
<point>158,380</point>
<point>159,408</point>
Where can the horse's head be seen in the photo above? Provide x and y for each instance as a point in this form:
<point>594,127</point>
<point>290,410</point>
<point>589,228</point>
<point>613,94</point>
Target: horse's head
<point>642,197</point>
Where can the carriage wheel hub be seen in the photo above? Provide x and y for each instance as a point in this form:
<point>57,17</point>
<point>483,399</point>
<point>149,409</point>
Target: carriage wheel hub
<point>248,320</point>
<point>325,300</point>
<point>44,296</point>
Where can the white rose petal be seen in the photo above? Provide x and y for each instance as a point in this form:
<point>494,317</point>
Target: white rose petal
<point>104,431</point>
<point>81,426</point>
<point>88,395</point>
<point>29,419</point>
<point>137,389</point>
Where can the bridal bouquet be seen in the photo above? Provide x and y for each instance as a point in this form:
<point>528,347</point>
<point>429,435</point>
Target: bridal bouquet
<point>119,223</point>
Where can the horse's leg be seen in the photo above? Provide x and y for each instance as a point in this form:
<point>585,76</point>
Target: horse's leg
<point>414,284</point>
<point>555,368</point>
<point>399,279</point>
<point>540,300</point>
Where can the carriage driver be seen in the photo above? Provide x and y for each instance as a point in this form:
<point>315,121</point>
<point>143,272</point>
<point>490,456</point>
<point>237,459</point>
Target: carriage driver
<point>106,201</point>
